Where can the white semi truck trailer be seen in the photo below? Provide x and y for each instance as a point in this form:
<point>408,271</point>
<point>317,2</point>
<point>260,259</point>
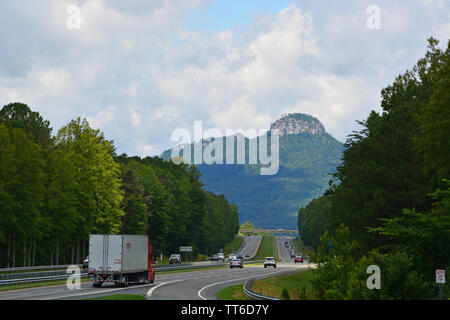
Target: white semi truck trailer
<point>120,259</point>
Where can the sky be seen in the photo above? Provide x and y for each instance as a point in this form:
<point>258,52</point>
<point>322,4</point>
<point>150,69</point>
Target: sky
<point>138,70</point>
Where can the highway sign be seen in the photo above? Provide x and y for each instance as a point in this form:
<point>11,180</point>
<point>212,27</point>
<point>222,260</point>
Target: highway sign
<point>185,249</point>
<point>440,276</point>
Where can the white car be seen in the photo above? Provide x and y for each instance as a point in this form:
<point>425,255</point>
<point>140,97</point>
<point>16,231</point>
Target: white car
<point>236,263</point>
<point>232,257</point>
<point>270,261</point>
<point>221,256</point>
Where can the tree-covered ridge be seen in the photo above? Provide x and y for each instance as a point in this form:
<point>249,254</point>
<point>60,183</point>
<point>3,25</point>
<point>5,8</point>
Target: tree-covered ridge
<point>272,201</point>
<point>56,190</point>
<point>388,203</point>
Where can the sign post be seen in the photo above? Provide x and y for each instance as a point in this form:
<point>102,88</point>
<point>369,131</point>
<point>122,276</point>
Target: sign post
<point>440,279</point>
<point>186,249</point>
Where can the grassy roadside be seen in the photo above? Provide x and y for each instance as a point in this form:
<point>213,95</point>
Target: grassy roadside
<point>296,286</point>
<point>233,293</point>
<point>233,246</point>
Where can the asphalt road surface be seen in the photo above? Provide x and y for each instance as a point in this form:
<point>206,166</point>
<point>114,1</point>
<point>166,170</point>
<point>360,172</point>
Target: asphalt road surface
<point>285,253</point>
<point>250,246</point>
<point>196,285</point>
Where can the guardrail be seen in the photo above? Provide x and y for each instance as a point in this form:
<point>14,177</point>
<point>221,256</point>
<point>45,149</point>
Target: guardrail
<point>42,278</point>
<point>61,266</point>
<point>253,294</point>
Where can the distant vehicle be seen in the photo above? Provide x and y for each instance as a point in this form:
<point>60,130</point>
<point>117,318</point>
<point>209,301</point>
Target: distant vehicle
<point>239,256</point>
<point>120,259</point>
<point>298,258</point>
<point>232,257</point>
<point>86,263</point>
<point>270,262</point>
<point>215,257</point>
<point>286,244</point>
<point>236,263</point>
<point>247,256</point>
<point>175,258</point>
<point>293,252</point>
<point>221,256</point>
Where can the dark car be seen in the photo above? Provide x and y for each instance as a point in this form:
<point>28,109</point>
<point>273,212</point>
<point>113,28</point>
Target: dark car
<point>240,256</point>
<point>175,258</point>
<point>86,263</point>
<point>215,257</point>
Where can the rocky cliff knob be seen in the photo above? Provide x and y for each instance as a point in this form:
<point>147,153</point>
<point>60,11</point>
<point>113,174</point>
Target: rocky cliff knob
<point>295,123</point>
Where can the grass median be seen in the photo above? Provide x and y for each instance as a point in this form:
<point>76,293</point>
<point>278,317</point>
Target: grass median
<point>295,286</point>
<point>267,247</point>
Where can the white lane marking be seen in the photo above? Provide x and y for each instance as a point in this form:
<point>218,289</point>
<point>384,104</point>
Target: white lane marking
<point>110,290</point>
<point>199,292</point>
<point>95,292</point>
<point>150,292</point>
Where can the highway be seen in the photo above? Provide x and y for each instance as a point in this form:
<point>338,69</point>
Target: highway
<point>285,253</point>
<point>250,246</point>
<point>192,285</point>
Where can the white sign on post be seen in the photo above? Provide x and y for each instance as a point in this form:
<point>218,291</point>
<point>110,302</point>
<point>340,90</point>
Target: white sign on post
<point>440,276</point>
<point>185,249</point>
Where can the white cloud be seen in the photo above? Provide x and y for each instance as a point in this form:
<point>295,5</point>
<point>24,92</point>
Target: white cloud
<point>139,73</point>
<point>135,118</point>
<point>103,118</point>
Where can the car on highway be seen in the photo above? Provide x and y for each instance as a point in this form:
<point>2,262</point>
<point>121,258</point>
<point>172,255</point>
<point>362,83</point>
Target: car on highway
<point>221,256</point>
<point>236,263</point>
<point>240,256</point>
<point>270,262</point>
<point>231,256</point>
<point>86,263</point>
<point>286,244</point>
<point>214,257</point>
<point>298,258</point>
<point>175,258</point>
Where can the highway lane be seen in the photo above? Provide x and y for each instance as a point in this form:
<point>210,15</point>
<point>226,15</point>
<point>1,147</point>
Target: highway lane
<point>206,285</point>
<point>184,285</point>
<point>285,253</point>
<point>201,284</point>
<point>250,246</point>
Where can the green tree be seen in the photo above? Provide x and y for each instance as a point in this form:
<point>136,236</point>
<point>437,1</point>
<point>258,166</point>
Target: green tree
<point>247,225</point>
<point>19,115</point>
<point>434,120</point>
<point>99,192</point>
<point>22,189</point>
<point>313,220</point>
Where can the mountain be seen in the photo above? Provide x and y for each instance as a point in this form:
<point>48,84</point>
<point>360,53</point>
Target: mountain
<point>307,154</point>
